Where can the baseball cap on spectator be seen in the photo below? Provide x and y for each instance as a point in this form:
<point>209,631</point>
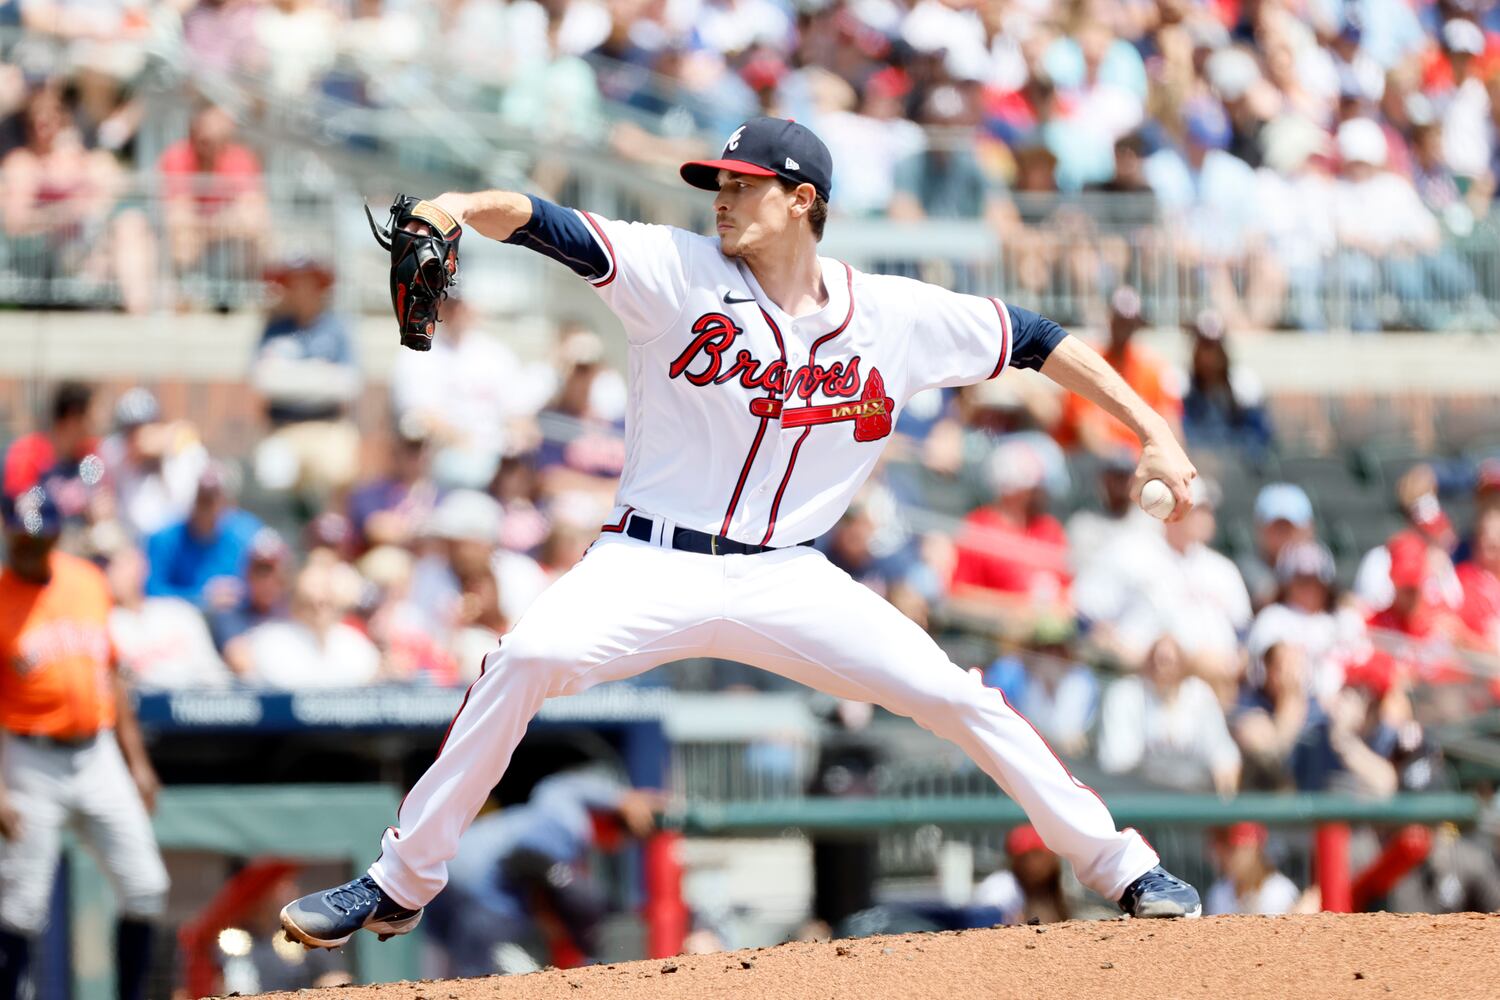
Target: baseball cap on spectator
<point>1283,502</point>
<point>1023,840</point>
<point>763,71</point>
<point>1463,37</point>
<point>1118,461</point>
<point>33,513</point>
<point>1207,125</point>
<point>1232,72</point>
<point>268,548</point>
<point>1013,468</point>
<point>1427,515</point>
<point>1245,834</point>
<point>1305,559</point>
<point>467,515</point>
<point>1208,325</point>
<point>768,147</point>
<point>218,479</point>
<point>302,263</point>
<point>1125,302</point>
<point>889,82</point>
<point>330,530</point>
<point>1291,140</point>
<point>1408,560</point>
<point>1361,140</point>
<point>135,408</point>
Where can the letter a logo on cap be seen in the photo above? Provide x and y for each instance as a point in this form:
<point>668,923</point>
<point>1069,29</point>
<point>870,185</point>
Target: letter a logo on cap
<point>734,140</point>
<point>792,164</point>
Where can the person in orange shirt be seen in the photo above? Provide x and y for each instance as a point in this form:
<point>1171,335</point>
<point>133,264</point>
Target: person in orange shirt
<point>1084,424</point>
<point>71,753</point>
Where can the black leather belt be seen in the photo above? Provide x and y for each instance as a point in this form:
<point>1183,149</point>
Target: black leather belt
<point>641,528</point>
<point>57,742</point>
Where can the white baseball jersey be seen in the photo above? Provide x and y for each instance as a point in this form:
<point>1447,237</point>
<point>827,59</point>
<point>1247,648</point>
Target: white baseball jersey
<point>750,423</point>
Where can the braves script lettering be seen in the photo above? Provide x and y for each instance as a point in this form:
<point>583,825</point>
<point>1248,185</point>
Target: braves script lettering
<point>706,361</point>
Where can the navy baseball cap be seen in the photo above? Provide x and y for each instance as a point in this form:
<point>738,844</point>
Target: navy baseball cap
<point>33,513</point>
<point>768,147</point>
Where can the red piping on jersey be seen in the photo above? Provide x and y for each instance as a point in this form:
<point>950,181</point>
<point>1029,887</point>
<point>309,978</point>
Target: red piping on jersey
<point>812,357</point>
<point>1004,315</point>
<point>609,249</point>
<point>734,501</point>
<point>1071,776</point>
<point>616,528</point>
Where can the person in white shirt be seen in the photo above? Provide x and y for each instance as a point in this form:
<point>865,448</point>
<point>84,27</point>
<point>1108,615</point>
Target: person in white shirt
<point>464,395</point>
<point>314,649</point>
<point>1092,532</point>
<point>1307,615</point>
<point>1386,232</point>
<point>1250,883</point>
<point>1168,727</point>
<point>163,642</point>
<point>153,466</point>
<point>1152,584</point>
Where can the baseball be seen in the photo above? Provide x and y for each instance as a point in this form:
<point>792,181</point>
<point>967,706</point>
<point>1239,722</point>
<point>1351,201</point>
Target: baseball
<point>1156,499</point>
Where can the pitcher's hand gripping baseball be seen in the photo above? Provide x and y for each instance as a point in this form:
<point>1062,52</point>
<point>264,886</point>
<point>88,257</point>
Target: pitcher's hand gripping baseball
<point>422,240</point>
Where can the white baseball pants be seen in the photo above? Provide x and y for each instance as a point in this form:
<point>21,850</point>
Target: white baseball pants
<point>629,606</point>
<point>89,789</point>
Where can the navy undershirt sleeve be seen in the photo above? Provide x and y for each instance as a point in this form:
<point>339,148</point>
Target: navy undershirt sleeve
<point>561,234</point>
<point>1033,337</point>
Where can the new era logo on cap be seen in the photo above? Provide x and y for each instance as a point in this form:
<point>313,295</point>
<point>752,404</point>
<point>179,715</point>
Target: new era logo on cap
<point>768,147</point>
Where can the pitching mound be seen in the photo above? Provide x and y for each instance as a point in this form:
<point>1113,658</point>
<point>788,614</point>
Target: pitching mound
<point>1327,955</point>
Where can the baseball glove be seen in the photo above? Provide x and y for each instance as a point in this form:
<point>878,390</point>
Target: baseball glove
<point>423,243</point>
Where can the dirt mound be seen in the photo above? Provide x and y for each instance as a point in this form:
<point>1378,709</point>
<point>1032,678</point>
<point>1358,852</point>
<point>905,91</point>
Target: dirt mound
<point>1327,955</point>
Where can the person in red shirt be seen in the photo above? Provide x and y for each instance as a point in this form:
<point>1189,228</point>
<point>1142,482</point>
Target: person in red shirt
<point>216,206</point>
<point>69,437</point>
<point>1480,579</point>
<point>71,753</point>
<point>1011,554</point>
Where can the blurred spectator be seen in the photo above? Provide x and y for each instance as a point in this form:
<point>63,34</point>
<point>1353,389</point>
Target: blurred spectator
<point>1388,238</point>
<point>152,465</point>
<point>466,584</point>
<point>582,446</point>
<point>877,136</point>
<point>261,599</point>
<point>1295,202</point>
<point>162,642</point>
<point>1169,583</point>
<point>899,576</point>
<point>1306,614</point>
<point>202,558</point>
<point>295,44</point>
<point>1084,424</point>
<point>220,35</point>
<point>1416,495</point>
<point>464,395</point>
<point>414,651</point>
<point>1486,498</point>
<point>1091,533</point>
<point>1353,748</point>
<point>1224,405</point>
<point>314,648</point>
<point>393,510</point>
<point>1167,726</point>
<point>1283,515</point>
<point>944,180</point>
<point>68,439</point>
<point>1011,552</point>
<point>1249,882</point>
<point>1458,875</point>
<point>1208,197</point>
<point>1047,684</point>
<point>518,878</point>
<point>1480,580</point>
<point>216,214</point>
<point>1272,715</point>
<point>61,212</point>
<point>1030,892</point>
<point>306,372</point>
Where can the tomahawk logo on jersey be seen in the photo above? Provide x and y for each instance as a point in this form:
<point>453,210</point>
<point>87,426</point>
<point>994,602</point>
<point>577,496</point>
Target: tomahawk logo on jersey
<point>747,422</point>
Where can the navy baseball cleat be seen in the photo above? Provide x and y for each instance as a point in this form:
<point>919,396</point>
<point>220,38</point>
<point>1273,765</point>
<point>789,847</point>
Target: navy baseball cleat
<point>1159,893</point>
<point>329,918</point>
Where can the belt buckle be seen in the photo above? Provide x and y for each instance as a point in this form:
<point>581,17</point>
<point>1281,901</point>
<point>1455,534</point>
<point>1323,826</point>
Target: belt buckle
<point>713,545</point>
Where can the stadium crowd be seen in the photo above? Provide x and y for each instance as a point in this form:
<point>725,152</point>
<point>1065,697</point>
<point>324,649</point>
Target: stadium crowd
<point>1305,165</point>
<point>1128,641</point>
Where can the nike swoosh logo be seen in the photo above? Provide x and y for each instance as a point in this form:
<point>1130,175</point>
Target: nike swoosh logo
<point>730,298</point>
